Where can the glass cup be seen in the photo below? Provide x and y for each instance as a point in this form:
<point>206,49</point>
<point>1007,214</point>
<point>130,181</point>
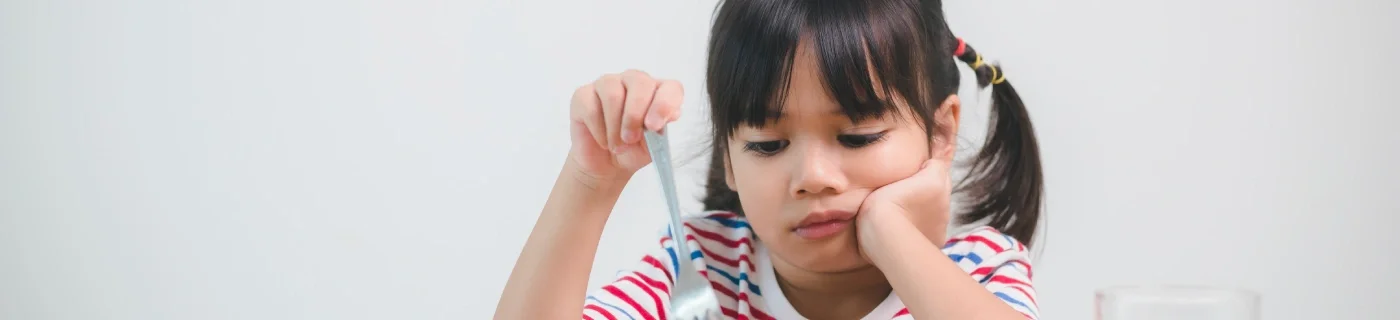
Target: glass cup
<point>1170,302</point>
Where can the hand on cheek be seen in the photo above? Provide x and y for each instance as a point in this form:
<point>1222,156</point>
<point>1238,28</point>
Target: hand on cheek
<point>920,201</point>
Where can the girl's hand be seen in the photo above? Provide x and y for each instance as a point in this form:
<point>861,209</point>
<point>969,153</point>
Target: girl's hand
<point>606,122</point>
<point>921,200</point>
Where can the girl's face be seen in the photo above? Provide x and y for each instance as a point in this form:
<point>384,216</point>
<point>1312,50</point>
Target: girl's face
<point>812,165</point>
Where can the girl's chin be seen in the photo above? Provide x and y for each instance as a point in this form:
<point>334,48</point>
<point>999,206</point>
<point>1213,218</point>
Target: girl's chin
<point>839,262</point>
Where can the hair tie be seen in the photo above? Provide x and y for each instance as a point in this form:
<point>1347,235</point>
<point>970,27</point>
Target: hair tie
<point>997,76</point>
<point>962,48</point>
<point>978,63</point>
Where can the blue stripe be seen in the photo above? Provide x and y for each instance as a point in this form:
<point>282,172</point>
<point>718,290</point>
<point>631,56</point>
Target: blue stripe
<point>605,304</point>
<point>1013,301</point>
<point>970,256</point>
<point>671,251</point>
<point>732,223</point>
<point>744,276</point>
<point>675,263</point>
<point>1010,243</point>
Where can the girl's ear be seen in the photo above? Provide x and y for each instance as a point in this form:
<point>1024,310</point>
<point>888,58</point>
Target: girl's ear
<point>944,144</point>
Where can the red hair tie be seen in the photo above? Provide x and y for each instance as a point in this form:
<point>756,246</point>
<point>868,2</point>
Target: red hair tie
<point>962,48</point>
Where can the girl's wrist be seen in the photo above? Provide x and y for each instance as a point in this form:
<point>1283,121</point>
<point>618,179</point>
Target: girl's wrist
<point>577,194</point>
<point>885,235</point>
<point>600,185</point>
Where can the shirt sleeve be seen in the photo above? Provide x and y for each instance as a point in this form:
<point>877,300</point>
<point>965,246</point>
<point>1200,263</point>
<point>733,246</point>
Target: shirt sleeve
<point>640,292</point>
<point>999,263</point>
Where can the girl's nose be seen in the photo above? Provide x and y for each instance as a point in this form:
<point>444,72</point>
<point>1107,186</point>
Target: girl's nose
<point>818,172</point>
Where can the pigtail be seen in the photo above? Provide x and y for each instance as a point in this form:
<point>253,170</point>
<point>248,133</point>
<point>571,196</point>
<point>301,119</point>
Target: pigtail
<point>1005,183</point>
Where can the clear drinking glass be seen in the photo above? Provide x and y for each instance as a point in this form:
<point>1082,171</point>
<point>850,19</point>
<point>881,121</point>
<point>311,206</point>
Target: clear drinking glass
<point>1175,303</point>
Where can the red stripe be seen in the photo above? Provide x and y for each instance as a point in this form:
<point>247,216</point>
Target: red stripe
<point>722,290</point>
<point>721,259</point>
<point>988,269</point>
<point>979,238</point>
<point>620,295</point>
<point>759,314</point>
<point>654,299</point>
<point>902,312</point>
<point>724,215</point>
<point>1025,294</point>
<point>653,283</point>
<point>718,238</point>
<point>1024,264</point>
<point>586,317</point>
<point>721,239</point>
<point>657,263</point>
<point>744,298</point>
<point>1008,280</point>
<point>599,310</point>
<point>982,271</point>
<point>729,312</point>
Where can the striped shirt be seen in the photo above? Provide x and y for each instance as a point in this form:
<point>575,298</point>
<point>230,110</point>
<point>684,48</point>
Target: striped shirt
<point>726,252</point>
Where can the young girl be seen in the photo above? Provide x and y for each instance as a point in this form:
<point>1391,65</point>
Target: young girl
<point>835,128</point>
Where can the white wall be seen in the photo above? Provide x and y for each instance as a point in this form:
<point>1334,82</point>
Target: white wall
<point>301,159</point>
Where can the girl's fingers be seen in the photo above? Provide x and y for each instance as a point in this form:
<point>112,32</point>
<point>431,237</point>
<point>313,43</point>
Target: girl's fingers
<point>665,105</point>
<point>640,90</point>
<point>586,109</point>
<point>611,93</point>
<point>934,174</point>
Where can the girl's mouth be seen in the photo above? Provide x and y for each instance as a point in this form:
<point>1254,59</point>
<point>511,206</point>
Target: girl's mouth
<point>824,224</point>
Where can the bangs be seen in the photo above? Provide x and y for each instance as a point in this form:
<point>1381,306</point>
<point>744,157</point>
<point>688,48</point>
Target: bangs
<point>869,55</point>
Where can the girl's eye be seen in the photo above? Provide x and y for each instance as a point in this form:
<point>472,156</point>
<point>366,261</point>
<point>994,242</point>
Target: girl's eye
<point>859,140</point>
<point>766,148</point>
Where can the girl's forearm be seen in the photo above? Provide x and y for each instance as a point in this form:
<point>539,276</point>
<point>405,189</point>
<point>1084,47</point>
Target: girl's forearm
<point>931,285</point>
<point>550,277</point>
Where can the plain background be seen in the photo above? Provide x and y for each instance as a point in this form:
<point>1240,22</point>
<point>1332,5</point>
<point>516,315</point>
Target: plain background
<point>312,159</point>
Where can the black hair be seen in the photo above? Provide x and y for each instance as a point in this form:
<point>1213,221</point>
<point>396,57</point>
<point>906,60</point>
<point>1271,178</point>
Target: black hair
<point>907,47</point>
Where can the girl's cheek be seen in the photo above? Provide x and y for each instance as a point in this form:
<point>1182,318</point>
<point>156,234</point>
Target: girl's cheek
<point>760,187</point>
<point>887,162</point>
<point>762,194</point>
